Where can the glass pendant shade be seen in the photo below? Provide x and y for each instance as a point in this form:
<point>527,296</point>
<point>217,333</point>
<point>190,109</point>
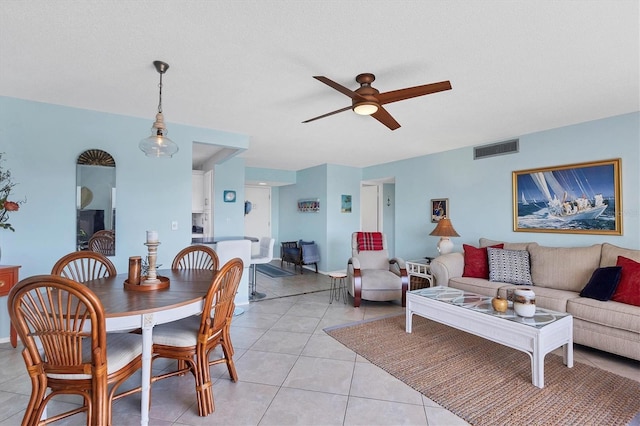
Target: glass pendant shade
<point>158,144</point>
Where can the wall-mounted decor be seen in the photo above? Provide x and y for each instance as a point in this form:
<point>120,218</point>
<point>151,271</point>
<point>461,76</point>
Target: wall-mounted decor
<point>582,198</point>
<point>229,196</point>
<point>439,209</point>
<point>346,204</point>
<point>311,205</point>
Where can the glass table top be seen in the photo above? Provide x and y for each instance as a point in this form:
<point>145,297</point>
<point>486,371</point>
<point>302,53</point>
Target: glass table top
<point>478,303</point>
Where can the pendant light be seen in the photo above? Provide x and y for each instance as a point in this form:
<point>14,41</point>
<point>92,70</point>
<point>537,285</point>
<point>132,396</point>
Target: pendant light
<point>158,144</point>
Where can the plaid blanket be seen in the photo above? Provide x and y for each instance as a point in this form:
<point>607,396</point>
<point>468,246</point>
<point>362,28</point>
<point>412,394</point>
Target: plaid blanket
<point>369,241</point>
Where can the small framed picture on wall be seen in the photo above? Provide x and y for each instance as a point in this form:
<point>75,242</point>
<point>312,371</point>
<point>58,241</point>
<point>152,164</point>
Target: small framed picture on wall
<point>439,209</point>
<point>346,204</point>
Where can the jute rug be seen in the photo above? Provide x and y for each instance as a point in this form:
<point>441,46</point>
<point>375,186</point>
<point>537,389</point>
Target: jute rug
<point>489,384</point>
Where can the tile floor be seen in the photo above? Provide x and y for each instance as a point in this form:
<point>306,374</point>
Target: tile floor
<point>291,372</point>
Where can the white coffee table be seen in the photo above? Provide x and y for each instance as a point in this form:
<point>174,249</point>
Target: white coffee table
<point>536,336</point>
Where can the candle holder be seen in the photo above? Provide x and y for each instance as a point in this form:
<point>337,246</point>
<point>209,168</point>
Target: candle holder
<point>152,247</point>
<point>150,281</point>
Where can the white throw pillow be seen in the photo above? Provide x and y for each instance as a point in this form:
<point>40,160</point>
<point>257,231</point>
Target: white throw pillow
<point>509,266</point>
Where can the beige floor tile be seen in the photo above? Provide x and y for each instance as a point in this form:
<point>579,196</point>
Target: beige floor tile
<point>300,407</point>
<point>372,412</point>
<point>372,382</point>
<point>321,374</point>
<point>264,367</point>
<point>240,403</point>
<point>284,342</point>
<point>296,324</point>
<point>324,346</point>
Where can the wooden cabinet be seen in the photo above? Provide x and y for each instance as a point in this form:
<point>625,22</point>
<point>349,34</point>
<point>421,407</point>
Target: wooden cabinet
<point>197,191</point>
<point>8,278</point>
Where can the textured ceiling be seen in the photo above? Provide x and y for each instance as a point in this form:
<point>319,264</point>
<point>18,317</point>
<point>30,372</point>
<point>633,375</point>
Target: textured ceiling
<point>246,67</point>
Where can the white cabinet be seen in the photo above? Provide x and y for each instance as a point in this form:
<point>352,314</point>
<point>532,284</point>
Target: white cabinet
<point>197,191</point>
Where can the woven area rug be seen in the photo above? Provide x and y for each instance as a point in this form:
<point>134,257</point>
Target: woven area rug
<point>489,384</point>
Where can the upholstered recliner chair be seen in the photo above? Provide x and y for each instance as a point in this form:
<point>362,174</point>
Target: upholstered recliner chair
<point>372,275</point>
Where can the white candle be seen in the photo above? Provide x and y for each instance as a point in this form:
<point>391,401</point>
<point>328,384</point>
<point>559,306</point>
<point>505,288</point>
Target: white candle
<point>152,236</point>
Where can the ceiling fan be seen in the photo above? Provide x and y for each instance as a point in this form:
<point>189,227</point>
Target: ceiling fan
<point>367,100</point>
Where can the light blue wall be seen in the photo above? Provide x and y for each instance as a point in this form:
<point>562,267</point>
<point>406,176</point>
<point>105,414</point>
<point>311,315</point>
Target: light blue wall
<point>42,142</point>
<point>479,191</point>
<point>341,180</point>
<point>225,217</point>
<point>308,226</point>
<point>329,228</point>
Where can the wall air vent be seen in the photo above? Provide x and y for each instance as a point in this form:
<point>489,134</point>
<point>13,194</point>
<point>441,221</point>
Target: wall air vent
<point>500,148</point>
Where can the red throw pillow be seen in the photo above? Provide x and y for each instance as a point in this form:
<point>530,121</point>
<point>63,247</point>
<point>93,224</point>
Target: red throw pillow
<point>628,290</point>
<point>476,261</point>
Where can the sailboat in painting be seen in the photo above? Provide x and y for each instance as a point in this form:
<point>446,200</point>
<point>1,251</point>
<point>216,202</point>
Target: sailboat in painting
<point>564,207</point>
<point>524,200</point>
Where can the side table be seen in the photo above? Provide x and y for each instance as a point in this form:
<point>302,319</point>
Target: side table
<point>419,273</point>
<point>338,286</point>
<point>9,278</point>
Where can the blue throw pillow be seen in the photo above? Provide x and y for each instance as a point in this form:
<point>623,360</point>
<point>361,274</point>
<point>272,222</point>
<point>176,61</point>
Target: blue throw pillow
<point>603,283</point>
<point>302,243</point>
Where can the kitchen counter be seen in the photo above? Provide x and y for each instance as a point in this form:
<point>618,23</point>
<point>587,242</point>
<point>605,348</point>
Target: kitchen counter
<point>210,240</point>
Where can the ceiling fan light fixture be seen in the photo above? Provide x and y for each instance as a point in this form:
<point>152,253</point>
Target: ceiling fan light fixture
<point>158,144</point>
<point>365,108</point>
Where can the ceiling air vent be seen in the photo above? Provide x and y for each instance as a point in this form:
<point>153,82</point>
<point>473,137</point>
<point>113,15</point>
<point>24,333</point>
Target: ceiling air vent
<point>500,148</point>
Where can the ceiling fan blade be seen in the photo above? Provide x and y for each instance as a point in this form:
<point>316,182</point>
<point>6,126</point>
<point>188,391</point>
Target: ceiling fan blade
<point>412,92</point>
<point>383,116</point>
<point>327,114</point>
<point>340,88</point>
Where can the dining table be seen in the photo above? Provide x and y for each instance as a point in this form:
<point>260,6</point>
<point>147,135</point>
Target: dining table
<point>127,309</point>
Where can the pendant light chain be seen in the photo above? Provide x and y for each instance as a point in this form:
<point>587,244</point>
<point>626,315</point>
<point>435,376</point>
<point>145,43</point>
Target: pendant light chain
<point>160,99</point>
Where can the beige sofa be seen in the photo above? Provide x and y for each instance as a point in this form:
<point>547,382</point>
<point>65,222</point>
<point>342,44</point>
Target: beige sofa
<point>558,275</point>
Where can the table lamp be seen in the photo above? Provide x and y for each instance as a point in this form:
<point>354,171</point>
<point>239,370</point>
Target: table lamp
<point>444,230</point>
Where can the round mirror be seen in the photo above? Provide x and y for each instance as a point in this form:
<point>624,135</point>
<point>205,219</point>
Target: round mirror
<point>96,202</point>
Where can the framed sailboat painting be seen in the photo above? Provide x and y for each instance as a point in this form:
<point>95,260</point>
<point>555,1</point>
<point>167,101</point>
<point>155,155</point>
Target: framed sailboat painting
<point>582,198</point>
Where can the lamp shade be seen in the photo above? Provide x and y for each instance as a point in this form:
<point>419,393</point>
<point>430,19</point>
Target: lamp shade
<point>444,228</point>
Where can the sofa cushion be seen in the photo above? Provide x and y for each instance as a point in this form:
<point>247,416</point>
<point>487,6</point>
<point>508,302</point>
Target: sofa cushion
<point>509,266</point>
<point>563,268</point>
<point>480,286</point>
<point>603,283</point>
<point>610,254</point>
<point>476,261</point>
<point>628,290</point>
<point>610,314</point>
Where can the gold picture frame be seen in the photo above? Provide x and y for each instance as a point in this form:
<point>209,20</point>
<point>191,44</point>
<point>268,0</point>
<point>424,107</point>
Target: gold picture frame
<point>581,198</point>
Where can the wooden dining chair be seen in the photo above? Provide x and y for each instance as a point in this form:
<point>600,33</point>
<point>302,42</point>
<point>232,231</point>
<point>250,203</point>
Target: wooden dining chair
<point>103,242</point>
<point>61,324</point>
<point>196,257</point>
<point>193,339</point>
<point>83,266</point>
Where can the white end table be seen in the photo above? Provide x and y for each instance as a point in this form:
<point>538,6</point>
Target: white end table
<point>419,268</point>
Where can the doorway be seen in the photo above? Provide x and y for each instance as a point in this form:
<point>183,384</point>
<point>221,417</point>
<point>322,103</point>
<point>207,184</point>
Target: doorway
<point>369,208</point>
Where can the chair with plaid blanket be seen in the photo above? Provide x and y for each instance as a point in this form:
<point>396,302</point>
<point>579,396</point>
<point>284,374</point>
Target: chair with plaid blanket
<point>371,274</point>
